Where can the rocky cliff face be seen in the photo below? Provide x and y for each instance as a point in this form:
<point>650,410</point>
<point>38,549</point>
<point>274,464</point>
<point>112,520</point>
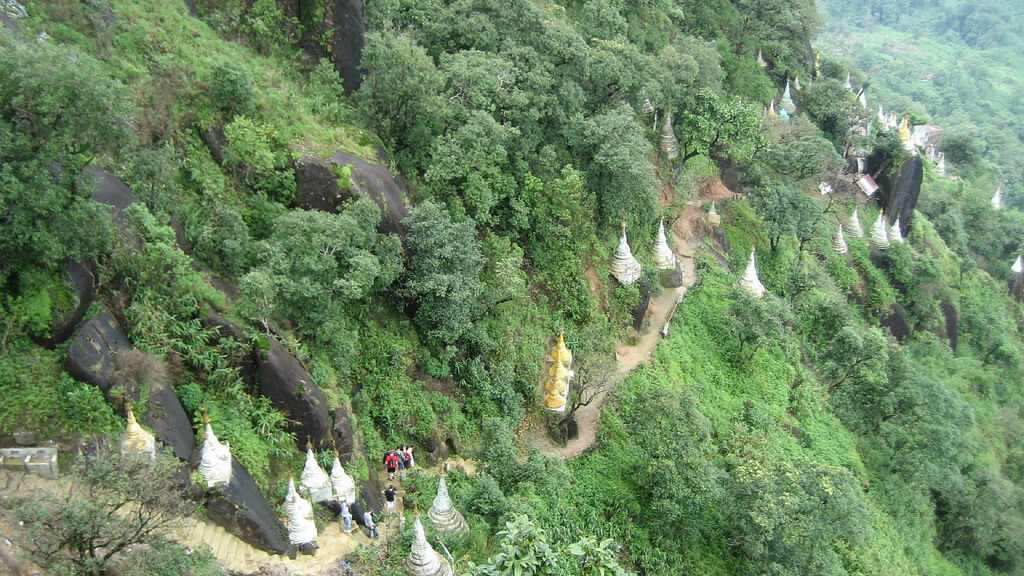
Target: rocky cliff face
<point>343,24</point>
<point>899,192</point>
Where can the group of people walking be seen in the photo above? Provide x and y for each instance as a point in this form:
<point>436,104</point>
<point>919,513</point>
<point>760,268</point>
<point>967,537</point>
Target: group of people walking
<point>398,460</point>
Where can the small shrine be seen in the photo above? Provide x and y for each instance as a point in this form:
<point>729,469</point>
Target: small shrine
<point>343,484</point>
<point>786,103</point>
<point>853,227</point>
<point>796,84</point>
<point>749,280</point>
<point>862,97</point>
<point>1018,266</point>
<point>301,527</point>
<point>136,439</point>
<point>879,238</point>
<point>905,134</point>
<point>997,199</point>
<point>423,560</point>
<point>771,110</point>
<point>760,59</point>
<point>556,389</point>
<point>895,233</point>
<point>825,188</point>
<point>839,241</point>
<point>442,512</point>
<point>713,218</point>
<point>313,478</point>
<point>940,168</point>
<point>214,457</point>
<point>849,85</point>
<point>669,143</point>
<point>624,266</point>
<point>661,254</point>
<point>867,184</point>
<point>290,498</point>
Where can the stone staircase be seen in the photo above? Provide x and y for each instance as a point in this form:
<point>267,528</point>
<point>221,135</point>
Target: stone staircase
<point>237,556</point>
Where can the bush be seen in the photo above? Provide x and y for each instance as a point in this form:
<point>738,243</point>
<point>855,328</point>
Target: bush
<point>231,88</point>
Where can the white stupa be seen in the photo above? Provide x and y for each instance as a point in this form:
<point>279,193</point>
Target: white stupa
<point>442,512</point>
<point>796,84</point>
<point>879,238</point>
<point>997,199</point>
<point>669,143</point>
<point>825,188</point>
<point>661,254</point>
<point>862,97</point>
<point>136,439</point>
<point>624,266</point>
<point>343,484</point>
<point>1018,266</point>
<point>749,280</point>
<point>787,100</point>
<point>771,109</point>
<point>301,527</point>
<point>849,85</point>
<point>290,498</point>
<point>760,59</point>
<point>423,560</point>
<point>214,457</point>
<point>853,227</point>
<point>895,233</point>
<point>940,168</point>
<point>839,242</point>
<point>314,479</point>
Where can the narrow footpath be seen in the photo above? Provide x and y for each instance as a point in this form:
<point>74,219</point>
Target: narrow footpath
<point>686,240</point>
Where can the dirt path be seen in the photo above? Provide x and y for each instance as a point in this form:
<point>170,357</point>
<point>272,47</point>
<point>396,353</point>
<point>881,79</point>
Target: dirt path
<point>629,356</point>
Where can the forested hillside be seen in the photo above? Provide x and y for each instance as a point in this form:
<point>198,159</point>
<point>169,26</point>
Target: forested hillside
<point>325,229</point>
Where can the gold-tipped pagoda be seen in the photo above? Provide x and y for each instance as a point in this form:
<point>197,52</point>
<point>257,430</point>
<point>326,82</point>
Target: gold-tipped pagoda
<point>556,389</point>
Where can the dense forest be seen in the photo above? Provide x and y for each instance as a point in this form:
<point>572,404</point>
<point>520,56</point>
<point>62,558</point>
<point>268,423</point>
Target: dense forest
<point>352,226</point>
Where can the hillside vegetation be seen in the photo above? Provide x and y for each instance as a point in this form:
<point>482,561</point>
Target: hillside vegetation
<point>865,416</point>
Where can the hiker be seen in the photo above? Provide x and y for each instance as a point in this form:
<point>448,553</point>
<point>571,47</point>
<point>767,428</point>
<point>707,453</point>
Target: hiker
<point>346,515</point>
<point>400,454</point>
<point>371,526</point>
<point>409,462</point>
<point>389,498</point>
<point>391,462</point>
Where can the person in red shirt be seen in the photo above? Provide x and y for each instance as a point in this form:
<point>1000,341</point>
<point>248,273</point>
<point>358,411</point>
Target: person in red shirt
<point>391,462</point>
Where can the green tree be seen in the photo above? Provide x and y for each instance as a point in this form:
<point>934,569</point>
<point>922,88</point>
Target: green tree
<point>400,95</point>
<point>119,512</point>
<point>620,168</point>
<point>442,272</point>
<point>798,517</point>
<point>471,168</point>
<point>720,127</point>
<point>786,211</point>
<point>757,323</point>
<point>319,268</point>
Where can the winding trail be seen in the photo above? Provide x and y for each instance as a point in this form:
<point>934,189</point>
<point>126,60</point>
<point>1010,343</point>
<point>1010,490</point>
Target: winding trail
<point>686,239</point>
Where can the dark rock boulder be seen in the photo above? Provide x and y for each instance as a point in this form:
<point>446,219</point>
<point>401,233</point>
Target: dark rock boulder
<point>215,140</point>
<point>83,286</point>
<point>247,361</point>
<point>347,41</point>
<point>952,317</point>
<point>639,312</point>
<point>91,354</point>
<point>896,321</point>
<point>899,192</point>
<point>242,510</point>
<point>107,189</point>
<point>179,235</point>
<point>316,186</point>
<point>344,436</point>
<point>671,278</point>
<point>292,390</point>
<point>1017,286</point>
<point>92,358</point>
<point>164,415</point>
